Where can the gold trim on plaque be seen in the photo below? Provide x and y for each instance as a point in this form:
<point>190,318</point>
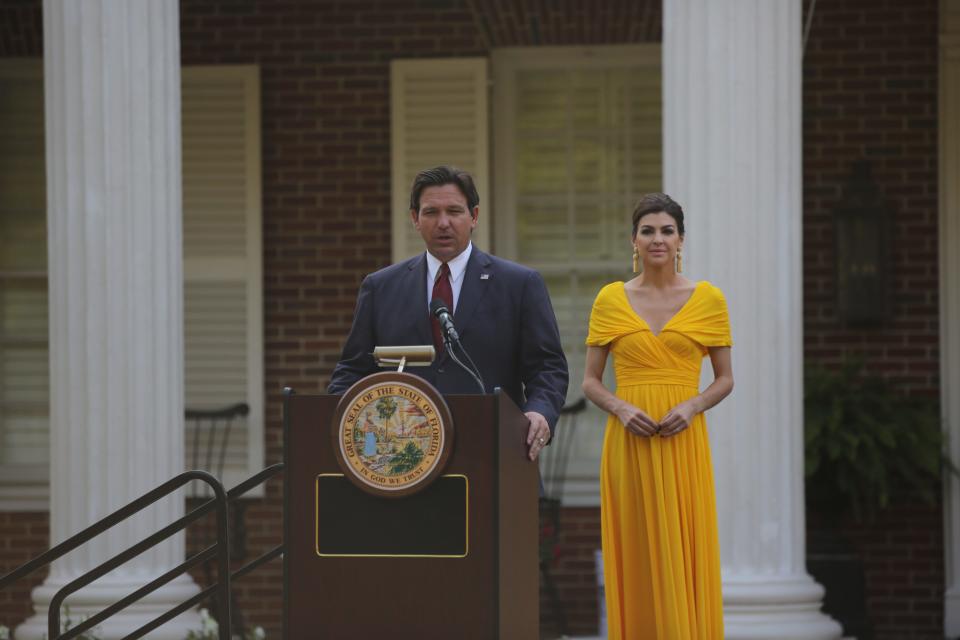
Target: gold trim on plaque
<point>316,520</point>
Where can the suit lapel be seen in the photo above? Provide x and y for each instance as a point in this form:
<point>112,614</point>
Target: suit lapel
<point>476,282</point>
<point>415,288</point>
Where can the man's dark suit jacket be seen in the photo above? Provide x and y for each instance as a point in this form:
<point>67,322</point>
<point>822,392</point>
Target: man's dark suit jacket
<point>505,321</point>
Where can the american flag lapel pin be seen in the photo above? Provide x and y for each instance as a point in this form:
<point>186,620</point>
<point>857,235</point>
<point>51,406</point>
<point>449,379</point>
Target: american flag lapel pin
<point>484,276</point>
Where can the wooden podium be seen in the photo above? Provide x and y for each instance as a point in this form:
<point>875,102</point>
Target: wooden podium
<point>457,559</point>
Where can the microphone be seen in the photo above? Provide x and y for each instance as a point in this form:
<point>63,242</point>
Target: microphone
<point>451,338</point>
<point>439,309</point>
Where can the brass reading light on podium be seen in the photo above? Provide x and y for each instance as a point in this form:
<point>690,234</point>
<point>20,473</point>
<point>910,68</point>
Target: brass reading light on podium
<point>415,355</point>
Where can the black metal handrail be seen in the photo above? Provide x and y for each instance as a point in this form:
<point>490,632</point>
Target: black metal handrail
<point>224,623</point>
<point>219,502</point>
<point>219,550</point>
<point>238,491</point>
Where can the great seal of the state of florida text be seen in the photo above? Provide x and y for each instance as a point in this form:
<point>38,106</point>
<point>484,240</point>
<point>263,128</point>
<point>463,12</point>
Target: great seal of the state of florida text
<point>392,434</point>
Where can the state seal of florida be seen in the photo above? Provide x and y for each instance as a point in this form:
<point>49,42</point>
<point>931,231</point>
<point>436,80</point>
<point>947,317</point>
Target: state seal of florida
<point>393,434</point>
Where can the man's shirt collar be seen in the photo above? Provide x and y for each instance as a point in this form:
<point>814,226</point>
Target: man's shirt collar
<point>457,266</point>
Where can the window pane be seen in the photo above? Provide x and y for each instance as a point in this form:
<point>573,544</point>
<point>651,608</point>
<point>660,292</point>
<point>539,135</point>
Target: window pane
<point>542,166</point>
<point>601,230</point>
<point>586,145</point>
<point>542,105</point>
<point>540,235</point>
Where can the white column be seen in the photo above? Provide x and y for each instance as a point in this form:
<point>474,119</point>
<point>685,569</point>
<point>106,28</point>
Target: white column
<point>950,297</point>
<point>112,84</point>
<point>732,158</point>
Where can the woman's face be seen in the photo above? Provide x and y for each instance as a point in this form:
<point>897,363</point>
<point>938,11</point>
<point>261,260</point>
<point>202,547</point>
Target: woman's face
<point>657,240</point>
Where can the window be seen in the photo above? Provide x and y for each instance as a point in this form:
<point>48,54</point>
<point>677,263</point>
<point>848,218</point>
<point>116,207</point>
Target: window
<point>577,141</point>
<point>222,268</point>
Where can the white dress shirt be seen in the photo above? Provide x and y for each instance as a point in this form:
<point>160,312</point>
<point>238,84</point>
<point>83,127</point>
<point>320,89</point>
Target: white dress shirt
<point>458,267</point>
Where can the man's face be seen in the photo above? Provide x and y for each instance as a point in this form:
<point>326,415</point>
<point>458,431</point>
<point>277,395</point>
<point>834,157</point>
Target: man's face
<point>445,221</point>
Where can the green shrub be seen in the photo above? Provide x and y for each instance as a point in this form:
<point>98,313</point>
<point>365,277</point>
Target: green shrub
<point>865,441</point>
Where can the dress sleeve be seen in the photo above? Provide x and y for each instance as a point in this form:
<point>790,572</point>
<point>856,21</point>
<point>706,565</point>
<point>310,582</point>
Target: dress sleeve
<point>606,325</point>
<point>710,323</point>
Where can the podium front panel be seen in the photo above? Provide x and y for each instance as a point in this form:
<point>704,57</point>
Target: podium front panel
<point>360,595</point>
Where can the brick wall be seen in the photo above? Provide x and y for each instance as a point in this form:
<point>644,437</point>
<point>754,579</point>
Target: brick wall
<point>869,86</point>
<point>573,571</point>
<point>869,92</point>
<point>903,569</point>
<point>22,537</point>
<point>900,555</point>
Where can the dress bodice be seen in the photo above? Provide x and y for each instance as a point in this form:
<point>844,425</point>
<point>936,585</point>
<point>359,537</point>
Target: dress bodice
<point>673,356</point>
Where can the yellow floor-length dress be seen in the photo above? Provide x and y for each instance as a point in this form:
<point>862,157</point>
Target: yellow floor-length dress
<point>661,554</point>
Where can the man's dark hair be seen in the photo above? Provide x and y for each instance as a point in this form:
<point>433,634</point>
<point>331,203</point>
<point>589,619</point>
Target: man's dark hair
<point>655,203</point>
<point>439,176</point>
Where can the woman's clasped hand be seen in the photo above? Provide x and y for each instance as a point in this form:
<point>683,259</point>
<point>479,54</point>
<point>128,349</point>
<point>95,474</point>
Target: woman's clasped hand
<point>637,422</point>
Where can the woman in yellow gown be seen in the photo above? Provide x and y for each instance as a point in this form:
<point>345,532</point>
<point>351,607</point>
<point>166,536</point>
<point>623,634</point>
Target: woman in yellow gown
<point>658,516</point>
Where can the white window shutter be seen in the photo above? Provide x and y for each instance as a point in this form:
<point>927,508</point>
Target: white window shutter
<point>222,258</point>
<point>438,115</point>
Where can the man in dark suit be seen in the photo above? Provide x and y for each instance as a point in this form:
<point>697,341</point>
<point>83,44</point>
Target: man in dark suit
<point>501,310</point>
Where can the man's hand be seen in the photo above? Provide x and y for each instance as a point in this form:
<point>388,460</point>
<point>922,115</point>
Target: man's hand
<point>538,435</point>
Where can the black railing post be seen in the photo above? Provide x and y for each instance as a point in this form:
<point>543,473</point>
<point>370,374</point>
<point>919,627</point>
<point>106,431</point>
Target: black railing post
<point>223,557</point>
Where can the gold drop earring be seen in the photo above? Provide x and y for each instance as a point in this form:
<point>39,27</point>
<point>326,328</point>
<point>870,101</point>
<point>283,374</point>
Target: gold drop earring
<point>636,260</point>
<point>679,261</point>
